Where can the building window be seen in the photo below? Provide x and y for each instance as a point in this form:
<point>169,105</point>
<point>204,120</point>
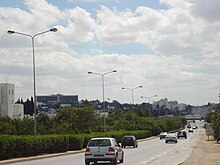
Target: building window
<point>12,91</point>
<point>8,91</point>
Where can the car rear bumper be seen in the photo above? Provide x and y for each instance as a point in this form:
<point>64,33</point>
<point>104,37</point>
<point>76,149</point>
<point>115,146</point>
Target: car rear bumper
<point>95,159</point>
<point>162,136</point>
<point>128,144</point>
<point>107,156</point>
<point>171,140</point>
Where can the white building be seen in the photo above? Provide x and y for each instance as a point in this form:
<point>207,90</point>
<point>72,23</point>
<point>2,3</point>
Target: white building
<point>7,102</point>
<point>7,98</point>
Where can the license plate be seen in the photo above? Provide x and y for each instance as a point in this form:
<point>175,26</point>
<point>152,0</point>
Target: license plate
<point>98,155</point>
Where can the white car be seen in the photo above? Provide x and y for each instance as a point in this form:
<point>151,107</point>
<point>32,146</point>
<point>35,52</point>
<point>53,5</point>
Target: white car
<point>171,138</point>
<point>163,135</point>
<point>194,127</point>
<point>103,149</point>
<point>190,130</point>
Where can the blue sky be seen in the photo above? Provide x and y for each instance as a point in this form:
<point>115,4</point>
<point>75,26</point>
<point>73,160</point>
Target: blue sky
<point>92,7</point>
<point>170,47</point>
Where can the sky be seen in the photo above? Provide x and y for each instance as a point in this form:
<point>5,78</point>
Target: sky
<point>170,47</point>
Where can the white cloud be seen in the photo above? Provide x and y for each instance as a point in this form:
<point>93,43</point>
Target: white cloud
<point>185,67</point>
<point>208,10</point>
<point>79,28</point>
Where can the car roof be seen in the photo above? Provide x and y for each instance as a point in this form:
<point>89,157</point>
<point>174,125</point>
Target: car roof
<point>171,134</point>
<point>102,138</point>
<point>129,136</point>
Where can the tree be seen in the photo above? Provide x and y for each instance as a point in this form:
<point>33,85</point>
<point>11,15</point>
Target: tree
<point>24,126</point>
<point>63,121</point>
<point>44,124</point>
<point>7,128</point>
<point>28,108</point>
<point>215,120</point>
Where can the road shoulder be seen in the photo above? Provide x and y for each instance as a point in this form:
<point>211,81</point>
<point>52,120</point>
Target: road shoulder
<point>205,152</point>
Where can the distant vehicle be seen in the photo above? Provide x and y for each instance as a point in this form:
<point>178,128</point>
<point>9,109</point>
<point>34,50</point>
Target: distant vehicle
<point>194,127</point>
<point>129,140</point>
<point>103,149</point>
<point>182,134</point>
<point>163,135</point>
<point>171,138</point>
<point>190,130</point>
<point>188,126</point>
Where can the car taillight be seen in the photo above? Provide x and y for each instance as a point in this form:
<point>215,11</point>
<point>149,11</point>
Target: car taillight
<point>111,149</point>
<point>87,149</point>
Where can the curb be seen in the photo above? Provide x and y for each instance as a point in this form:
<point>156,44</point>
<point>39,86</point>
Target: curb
<point>24,159</point>
<point>16,160</point>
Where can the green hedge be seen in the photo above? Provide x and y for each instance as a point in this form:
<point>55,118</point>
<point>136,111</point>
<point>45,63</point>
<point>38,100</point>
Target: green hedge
<point>13,146</point>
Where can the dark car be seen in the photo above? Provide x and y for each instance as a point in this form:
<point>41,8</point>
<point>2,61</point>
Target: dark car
<point>188,126</point>
<point>129,140</point>
<point>182,134</point>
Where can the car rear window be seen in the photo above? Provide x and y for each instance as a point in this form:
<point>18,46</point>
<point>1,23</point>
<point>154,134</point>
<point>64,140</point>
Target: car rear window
<point>99,143</point>
<point>128,138</point>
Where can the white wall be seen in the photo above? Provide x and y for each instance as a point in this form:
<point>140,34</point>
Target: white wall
<point>18,111</point>
<point>7,99</point>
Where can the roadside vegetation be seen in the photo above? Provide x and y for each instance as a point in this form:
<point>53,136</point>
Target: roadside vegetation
<point>71,129</point>
<point>215,120</point>
<point>85,120</point>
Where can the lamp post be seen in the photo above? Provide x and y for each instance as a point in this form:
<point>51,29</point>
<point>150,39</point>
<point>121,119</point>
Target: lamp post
<point>132,99</point>
<point>149,102</point>
<point>219,97</point>
<point>103,91</point>
<point>34,73</point>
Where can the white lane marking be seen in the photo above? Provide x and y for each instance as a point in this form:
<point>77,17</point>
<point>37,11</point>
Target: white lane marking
<point>174,148</point>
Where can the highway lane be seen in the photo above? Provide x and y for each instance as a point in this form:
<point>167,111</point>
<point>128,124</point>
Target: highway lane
<point>150,152</point>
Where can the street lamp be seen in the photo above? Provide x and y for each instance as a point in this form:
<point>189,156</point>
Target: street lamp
<point>149,102</point>
<point>132,99</point>
<point>219,97</point>
<point>103,91</point>
<point>34,73</point>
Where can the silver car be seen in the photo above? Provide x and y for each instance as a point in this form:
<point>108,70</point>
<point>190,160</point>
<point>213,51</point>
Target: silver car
<point>171,138</point>
<point>103,149</point>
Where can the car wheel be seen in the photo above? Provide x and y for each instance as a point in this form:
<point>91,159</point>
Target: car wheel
<point>87,162</point>
<point>166,141</point>
<point>114,162</point>
<point>175,141</point>
<point>122,158</point>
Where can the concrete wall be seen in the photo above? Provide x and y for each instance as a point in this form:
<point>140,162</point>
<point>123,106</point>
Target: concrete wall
<point>7,99</point>
<point>18,111</point>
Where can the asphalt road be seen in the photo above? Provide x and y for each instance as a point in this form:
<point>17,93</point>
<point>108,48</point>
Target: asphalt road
<point>150,152</point>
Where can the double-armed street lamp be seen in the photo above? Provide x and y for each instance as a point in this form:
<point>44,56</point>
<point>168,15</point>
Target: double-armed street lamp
<point>103,91</point>
<point>149,102</point>
<point>132,99</point>
<point>34,73</point>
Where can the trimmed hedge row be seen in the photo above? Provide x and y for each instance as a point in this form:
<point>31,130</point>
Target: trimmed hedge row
<point>13,146</point>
